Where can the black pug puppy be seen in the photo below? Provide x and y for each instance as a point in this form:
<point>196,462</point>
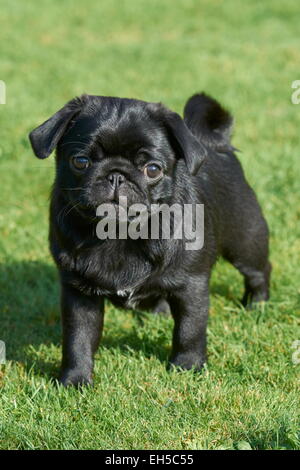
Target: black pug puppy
<point>112,147</point>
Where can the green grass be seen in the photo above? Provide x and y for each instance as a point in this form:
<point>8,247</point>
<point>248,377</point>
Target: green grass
<point>244,53</point>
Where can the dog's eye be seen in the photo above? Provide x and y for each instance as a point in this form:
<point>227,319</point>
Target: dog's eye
<point>152,171</point>
<point>80,163</point>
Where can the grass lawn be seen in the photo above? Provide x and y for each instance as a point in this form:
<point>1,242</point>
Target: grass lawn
<point>246,54</point>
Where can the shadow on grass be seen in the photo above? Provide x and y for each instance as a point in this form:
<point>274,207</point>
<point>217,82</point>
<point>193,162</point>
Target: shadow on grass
<point>29,314</point>
<point>131,342</point>
<point>30,320</point>
<point>282,439</point>
<point>221,289</point>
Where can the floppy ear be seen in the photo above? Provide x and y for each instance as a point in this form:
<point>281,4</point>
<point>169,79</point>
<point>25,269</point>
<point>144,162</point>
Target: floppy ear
<point>190,148</point>
<point>45,138</point>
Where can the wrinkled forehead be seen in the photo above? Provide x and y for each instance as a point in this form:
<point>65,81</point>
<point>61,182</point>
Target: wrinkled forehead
<point>119,126</point>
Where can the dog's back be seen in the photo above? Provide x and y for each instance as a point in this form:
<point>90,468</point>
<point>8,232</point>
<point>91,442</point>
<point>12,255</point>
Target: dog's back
<point>241,229</point>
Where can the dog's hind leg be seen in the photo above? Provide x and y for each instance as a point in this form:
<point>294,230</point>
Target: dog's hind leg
<point>248,252</point>
<point>256,284</point>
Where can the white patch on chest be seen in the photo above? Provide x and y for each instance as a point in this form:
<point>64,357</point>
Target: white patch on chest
<point>128,294</point>
<point>125,293</point>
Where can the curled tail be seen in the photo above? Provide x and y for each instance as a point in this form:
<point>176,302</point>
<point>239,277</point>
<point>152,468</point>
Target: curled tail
<point>208,121</point>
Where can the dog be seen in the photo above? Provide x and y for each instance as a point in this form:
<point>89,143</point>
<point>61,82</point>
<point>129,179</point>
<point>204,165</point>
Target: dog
<point>110,148</point>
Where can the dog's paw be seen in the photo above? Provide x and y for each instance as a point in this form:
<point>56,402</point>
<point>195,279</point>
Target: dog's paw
<point>75,378</point>
<point>254,302</point>
<point>186,361</point>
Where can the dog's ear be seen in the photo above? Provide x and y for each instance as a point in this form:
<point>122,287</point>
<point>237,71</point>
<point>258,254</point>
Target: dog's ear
<point>184,142</point>
<point>207,120</point>
<point>45,138</point>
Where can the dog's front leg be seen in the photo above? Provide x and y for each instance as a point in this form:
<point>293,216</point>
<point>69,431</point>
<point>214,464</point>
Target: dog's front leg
<point>82,322</point>
<point>189,307</point>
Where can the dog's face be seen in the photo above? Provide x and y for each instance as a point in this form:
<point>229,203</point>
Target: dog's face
<point>111,148</point>
<point>123,152</point>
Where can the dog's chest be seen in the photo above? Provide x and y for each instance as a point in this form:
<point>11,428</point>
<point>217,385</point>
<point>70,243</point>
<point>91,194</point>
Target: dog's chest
<point>114,273</point>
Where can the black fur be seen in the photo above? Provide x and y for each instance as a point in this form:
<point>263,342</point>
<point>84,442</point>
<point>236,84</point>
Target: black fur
<point>120,136</point>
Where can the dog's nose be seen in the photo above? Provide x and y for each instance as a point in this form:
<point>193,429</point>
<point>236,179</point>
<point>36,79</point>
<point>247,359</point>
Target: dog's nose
<point>116,179</point>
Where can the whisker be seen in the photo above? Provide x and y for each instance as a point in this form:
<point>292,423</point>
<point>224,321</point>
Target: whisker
<point>73,207</point>
<point>61,213</point>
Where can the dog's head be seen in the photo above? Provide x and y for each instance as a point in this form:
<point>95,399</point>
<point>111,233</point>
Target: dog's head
<point>109,148</point>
